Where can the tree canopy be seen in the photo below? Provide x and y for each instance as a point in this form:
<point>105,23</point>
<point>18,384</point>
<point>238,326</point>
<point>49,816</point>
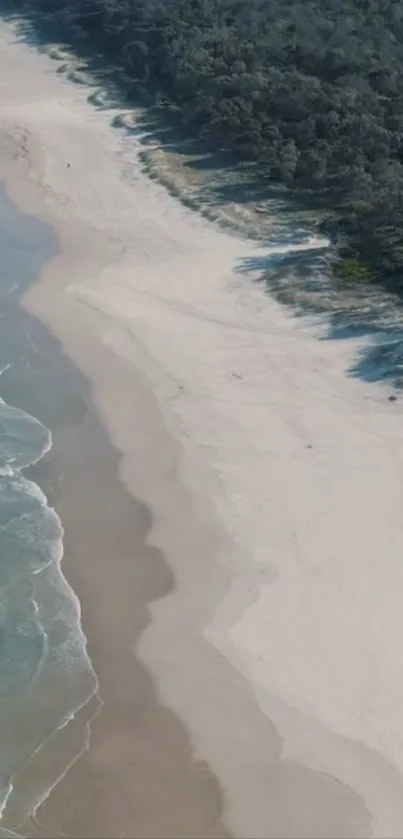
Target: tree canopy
<point>310,90</point>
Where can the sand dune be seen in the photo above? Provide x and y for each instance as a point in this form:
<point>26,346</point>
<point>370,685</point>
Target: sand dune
<point>277,502</point>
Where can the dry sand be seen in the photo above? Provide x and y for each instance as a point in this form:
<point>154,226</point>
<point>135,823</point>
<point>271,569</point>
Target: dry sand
<point>274,484</point>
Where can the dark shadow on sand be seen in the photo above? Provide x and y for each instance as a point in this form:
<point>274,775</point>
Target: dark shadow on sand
<point>303,281</point>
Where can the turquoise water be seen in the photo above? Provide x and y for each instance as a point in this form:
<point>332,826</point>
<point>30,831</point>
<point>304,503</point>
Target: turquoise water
<point>45,673</point>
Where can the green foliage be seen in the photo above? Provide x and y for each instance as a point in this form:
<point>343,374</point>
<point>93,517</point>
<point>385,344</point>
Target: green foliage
<point>353,271</point>
<point>309,90</point>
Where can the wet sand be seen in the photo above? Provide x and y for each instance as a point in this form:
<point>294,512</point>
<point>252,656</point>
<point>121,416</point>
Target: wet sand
<point>219,584</point>
<point>140,776</point>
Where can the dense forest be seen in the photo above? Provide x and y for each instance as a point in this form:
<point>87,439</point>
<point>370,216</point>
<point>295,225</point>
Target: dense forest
<point>310,90</point>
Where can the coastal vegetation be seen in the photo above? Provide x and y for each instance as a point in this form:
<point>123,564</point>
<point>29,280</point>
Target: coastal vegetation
<point>309,91</point>
<point>353,271</point>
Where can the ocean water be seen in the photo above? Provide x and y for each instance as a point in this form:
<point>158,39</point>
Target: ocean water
<point>45,672</point>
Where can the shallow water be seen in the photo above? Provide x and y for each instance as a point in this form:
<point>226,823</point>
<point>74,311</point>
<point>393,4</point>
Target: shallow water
<point>45,673</point>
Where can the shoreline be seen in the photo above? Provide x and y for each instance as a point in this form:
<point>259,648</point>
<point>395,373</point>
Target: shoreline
<point>139,770</point>
<point>139,745</point>
<point>233,647</point>
<point>53,695</point>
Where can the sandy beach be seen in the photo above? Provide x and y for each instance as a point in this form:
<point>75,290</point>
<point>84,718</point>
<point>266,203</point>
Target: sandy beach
<point>232,507</point>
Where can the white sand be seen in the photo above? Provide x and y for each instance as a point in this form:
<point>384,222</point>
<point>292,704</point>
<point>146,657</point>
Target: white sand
<point>292,600</point>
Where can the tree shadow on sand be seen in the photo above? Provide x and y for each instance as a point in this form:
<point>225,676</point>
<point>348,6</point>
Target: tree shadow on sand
<point>302,280</point>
